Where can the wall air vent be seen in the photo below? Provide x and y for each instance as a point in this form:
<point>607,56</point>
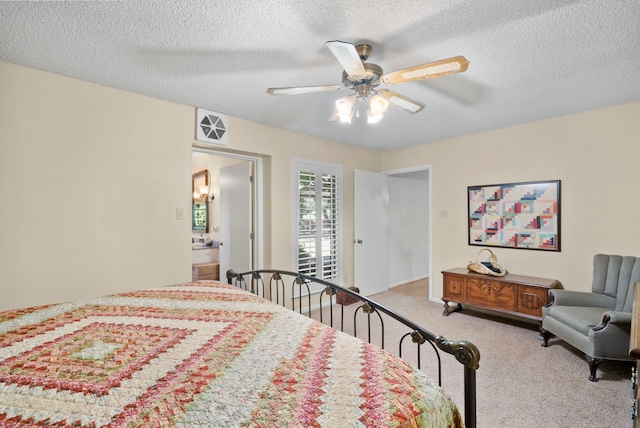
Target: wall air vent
<point>211,127</point>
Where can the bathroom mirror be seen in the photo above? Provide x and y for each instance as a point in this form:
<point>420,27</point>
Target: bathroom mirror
<point>200,210</point>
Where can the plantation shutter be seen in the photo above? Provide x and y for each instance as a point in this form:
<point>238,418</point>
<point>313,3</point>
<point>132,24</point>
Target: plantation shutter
<point>318,222</point>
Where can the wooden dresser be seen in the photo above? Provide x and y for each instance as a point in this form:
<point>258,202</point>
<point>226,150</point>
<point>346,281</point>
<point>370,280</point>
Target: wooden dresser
<point>512,294</point>
<point>634,352</point>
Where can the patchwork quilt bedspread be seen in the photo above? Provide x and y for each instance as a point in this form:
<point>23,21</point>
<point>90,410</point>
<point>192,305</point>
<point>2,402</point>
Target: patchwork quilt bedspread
<point>201,354</point>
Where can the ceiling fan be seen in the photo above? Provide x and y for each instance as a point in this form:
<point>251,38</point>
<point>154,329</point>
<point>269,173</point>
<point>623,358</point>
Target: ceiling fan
<point>364,78</point>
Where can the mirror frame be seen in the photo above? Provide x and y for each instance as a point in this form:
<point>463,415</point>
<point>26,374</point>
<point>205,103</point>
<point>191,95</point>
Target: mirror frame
<point>199,203</point>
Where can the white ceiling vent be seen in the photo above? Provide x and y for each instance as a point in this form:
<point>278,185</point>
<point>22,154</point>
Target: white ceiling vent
<point>211,127</point>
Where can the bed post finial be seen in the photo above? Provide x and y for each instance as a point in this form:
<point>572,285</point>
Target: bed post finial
<point>465,352</point>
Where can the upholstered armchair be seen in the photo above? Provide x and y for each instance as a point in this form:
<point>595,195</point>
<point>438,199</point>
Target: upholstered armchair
<point>598,322</point>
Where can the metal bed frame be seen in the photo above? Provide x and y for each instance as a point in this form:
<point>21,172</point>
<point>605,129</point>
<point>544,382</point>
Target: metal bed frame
<point>332,295</point>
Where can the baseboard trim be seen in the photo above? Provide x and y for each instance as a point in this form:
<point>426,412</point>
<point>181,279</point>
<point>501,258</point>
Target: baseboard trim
<point>424,281</point>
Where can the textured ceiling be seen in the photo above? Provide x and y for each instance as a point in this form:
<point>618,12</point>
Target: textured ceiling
<point>529,60</point>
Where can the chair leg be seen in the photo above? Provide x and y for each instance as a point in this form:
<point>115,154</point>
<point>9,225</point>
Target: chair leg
<point>593,367</point>
<point>544,336</point>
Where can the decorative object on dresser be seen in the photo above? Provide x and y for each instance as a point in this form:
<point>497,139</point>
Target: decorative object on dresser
<point>519,295</point>
<point>490,267</point>
<point>515,215</point>
<point>597,323</point>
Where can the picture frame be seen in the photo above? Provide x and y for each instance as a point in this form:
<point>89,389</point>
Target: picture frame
<point>523,215</point>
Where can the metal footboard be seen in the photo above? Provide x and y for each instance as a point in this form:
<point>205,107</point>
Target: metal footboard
<point>328,306</point>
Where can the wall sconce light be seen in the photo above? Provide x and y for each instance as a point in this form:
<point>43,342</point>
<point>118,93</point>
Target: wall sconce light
<point>203,192</point>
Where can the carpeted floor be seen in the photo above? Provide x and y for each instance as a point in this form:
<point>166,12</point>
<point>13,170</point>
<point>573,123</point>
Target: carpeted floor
<point>519,383</point>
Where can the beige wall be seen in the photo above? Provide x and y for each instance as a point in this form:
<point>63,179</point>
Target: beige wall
<point>278,147</point>
<point>595,154</point>
<point>91,178</point>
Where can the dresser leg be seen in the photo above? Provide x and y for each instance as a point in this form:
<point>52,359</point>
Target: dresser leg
<point>447,309</point>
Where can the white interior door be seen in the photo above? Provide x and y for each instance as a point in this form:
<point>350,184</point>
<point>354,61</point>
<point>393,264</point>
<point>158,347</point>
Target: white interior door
<point>371,232</point>
<point>236,218</point>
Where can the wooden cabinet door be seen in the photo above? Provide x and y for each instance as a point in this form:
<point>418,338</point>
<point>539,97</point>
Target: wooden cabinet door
<point>531,300</point>
<point>454,288</point>
<point>491,294</point>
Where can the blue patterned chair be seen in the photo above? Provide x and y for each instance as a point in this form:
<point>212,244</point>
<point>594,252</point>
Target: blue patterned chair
<point>597,323</point>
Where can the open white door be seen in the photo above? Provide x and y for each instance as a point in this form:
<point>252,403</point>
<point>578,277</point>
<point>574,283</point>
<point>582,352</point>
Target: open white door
<point>371,232</point>
<point>236,218</point>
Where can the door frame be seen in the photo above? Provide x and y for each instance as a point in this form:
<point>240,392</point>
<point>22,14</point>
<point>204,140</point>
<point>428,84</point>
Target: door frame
<point>371,232</point>
<point>258,200</point>
<point>428,168</point>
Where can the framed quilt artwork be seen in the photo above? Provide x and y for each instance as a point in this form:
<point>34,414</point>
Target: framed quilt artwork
<point>515,215</point>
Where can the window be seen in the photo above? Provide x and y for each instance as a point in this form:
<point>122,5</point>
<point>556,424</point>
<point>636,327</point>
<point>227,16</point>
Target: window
<point>317,219</point>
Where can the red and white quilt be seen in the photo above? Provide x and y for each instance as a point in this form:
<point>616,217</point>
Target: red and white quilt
<point>201,354</point>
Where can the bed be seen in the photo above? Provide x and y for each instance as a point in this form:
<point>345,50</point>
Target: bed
<point>207,354</point>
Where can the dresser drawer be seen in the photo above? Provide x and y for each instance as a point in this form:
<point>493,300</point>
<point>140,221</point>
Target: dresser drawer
<point>531,300</point>
<point>455,288</point>
<point>491,294</point>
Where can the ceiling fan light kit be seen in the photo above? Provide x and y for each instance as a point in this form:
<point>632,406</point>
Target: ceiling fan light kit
<point>345,108</point>
<point>364,77</point>
<point>377,106</point>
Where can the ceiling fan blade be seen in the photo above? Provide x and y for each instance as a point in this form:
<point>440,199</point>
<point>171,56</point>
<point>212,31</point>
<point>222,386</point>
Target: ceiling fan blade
<point>401,102</point>
<point>443,67</point>
<point>335,116</point>
<point>348,57</point>
<point>294,90</point>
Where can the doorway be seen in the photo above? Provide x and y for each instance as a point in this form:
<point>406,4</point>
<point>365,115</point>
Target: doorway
<point>235,212</point>
<point>397,245</point>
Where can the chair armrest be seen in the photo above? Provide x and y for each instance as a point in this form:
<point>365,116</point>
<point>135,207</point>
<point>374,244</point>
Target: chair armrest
<point>577,298</point>
<point>613,317</point>
<point>618,317</point>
